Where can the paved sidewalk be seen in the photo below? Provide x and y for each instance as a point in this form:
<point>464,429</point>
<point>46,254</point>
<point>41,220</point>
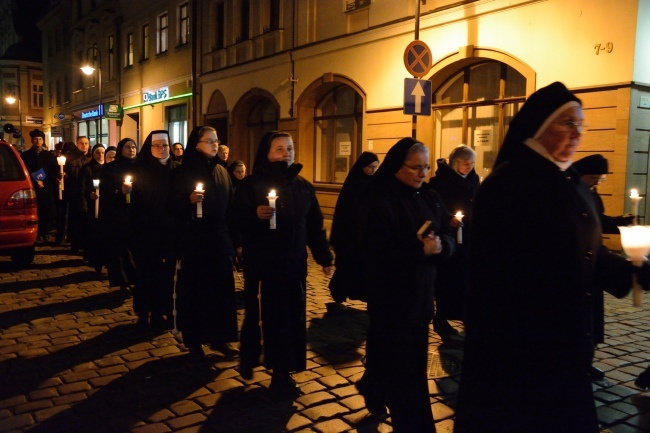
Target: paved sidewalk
<point>72,359</point>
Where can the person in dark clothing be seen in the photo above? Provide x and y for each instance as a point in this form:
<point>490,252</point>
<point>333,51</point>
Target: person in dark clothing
<point>399,265</point>
<point>237,171</point>
<point>43,168</point>
<point>109,155</point>
<point>72,192</point>
<point>275,261</point>
<point>347,280</point>
<point>115,216</point>
<point>536,260</point>
<point>222,155</point>
<point>456,182</point>
<point>207,310</point>
<point>177,152</point>
<point>93,248</point>
<point>593,170</point>
<point>152,230</point>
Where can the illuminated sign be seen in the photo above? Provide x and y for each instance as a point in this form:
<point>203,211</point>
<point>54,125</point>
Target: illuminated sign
<point>93,112</point>
<point>156,95</point>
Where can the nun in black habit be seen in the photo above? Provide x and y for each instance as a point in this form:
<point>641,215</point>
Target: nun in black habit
<point>275,261</point>
<point>399,265</point>
<point>535,261</point>
<point>207,310</point>
<point>347,280</point>
<point>115,216</point>
<point>152,231</point>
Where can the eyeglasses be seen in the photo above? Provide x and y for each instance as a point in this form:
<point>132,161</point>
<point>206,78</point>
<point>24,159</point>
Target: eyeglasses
<point>160,146</point>
<point>571,124</point>
<point>211,142</point>
<point>418,168</point>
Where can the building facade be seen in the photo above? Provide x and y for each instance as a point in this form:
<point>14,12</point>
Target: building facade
<point>333,73</point>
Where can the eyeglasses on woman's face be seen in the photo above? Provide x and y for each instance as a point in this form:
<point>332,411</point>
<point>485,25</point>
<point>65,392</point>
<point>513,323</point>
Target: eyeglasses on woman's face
<point>211,141</point>
<point>570,125</point>
<point>418,168</point>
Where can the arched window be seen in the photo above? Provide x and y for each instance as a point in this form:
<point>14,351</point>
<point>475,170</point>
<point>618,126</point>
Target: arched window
<point>262,118</point>
<point>338,119</point>
<point>474,107</point>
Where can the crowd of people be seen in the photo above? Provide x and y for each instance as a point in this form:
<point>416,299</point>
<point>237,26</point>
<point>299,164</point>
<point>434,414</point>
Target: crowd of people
<point>519,259</point>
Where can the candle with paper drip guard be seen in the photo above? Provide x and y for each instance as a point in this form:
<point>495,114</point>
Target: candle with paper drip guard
<point>61,161</point>
<point>96,185</point>
<point>272,197</point>
<point>199,204</point>
<point>459,234</point>
<point>127,182</point>
<point>635,241</point>
<point>636,198</point>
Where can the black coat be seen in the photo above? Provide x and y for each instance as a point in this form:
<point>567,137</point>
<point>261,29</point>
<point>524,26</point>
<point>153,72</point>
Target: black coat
<point>535,260</point>
<point>275,263</point>
<point>207,311</point>
<point>45,196</point>
<point>457,193</point>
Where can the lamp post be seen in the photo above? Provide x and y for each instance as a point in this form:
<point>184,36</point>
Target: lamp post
<point>11,100</point>
<point>88,70</point>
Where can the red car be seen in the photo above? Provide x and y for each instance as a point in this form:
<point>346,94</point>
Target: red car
<point>18,218</point>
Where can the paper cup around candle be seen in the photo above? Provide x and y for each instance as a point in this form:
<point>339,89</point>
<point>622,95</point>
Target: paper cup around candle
<point>199,204</point>
<point>635,241</point>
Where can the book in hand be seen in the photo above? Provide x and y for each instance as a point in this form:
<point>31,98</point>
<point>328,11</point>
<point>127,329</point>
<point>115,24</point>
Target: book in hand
<point>425,229</point>
<point>39,175</point>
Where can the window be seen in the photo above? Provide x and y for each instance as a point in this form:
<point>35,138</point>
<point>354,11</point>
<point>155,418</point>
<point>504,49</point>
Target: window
<point>245,21</point>
<point>162,33</point>
<point>275,14</point>
<point>111,57</point>
<point>219,27</point>
<point>177,123</point>
<point>145,42</point>
<point>184,24</point>
<point>338,118</point>
<point>37,95</point>
<point>474,107</point>
<point>129,49</point>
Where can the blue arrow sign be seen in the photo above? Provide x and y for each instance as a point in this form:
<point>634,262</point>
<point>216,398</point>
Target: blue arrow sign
<point>417,97</point>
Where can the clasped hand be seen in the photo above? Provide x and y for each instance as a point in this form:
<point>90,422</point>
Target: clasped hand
<point>196,196</point>
<point>265,212</point>
<point>432,244</point>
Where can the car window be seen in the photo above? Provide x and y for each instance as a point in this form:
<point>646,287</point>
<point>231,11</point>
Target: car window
<point>10,168</point>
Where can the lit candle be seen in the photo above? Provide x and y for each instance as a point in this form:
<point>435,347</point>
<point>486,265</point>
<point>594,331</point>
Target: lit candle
<point>61,161</point>
<point>635,197</point>
<point>272,197</point>
<point>96,185</point>
<point>127,182</point>
<point>635,241</point>
<point>459,234</point>
<point>199,204</point>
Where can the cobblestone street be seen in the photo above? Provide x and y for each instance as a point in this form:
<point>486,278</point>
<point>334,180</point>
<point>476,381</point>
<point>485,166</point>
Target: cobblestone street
<point>72,359</point>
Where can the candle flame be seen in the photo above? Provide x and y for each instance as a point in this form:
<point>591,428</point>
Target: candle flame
<point>61,160</point>
<point>199,186</point>
<point>127,179</point>
<point>95,183</point>
<point>459,215</point>
<point>272,193</point>
<point>634,193</point>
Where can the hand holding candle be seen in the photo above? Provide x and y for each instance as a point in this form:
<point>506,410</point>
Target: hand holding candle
<point>128,184</point>
<point>459,233</point>
<point>61,161</point>
<point>199,204</point>
<point>272,197</point>
<point>636,198</point>
<point>96,185</point>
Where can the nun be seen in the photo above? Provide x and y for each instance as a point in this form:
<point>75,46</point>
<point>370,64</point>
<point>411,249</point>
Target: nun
<point>536,260</point>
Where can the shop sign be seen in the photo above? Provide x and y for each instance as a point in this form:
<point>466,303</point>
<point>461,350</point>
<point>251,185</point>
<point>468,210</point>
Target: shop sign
<point>31,120</point>
<point>92,113</point>
<point>156,95</point>
<point>114,112</point>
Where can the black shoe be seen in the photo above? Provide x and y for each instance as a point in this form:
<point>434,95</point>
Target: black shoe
<point>596,373</point>
<point>443,328</point>
<point>282,387</point>
<point>196,352</point>
<point>643,381</point>
<point>374,402</point>
<point>246,372</point>
<point>143,320</point>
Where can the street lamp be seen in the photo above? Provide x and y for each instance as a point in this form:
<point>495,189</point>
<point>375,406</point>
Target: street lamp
<point>11,99</point>
<point>88,70</point>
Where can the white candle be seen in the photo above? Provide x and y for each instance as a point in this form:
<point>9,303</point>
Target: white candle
<point>199,204</point>
<point>96,185</point>
<point>61,161</point>
<point>636,198</point>
<point>635,241</point>
<point>459,234</point>
<point>127,182</point>
<point>272,197</point>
